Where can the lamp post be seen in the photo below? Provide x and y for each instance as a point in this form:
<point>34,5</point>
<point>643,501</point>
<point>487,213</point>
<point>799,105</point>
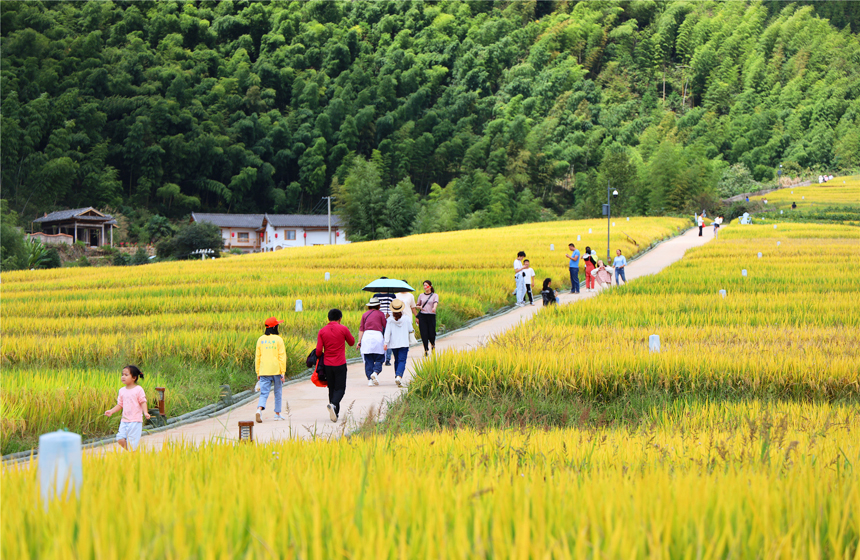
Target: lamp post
<point>779,176</point>
<point>607,211</point>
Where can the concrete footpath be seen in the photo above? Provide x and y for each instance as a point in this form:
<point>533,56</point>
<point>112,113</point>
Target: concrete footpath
<point>305,404</point>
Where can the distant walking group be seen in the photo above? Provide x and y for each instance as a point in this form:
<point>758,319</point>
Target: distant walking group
<point>386,330</point>
<point>597,274</point>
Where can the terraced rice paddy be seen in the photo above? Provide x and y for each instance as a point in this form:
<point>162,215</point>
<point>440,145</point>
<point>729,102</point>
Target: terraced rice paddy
<point>194,324</point>
<point>781,486</point>
<point>789,329</point>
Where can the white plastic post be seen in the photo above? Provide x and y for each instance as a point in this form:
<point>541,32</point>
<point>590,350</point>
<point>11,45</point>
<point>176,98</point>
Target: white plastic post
<point>299,305</point>
<point>589,230</point>
<point>628,219</point>
<point>759,255</point>
<point>780,211</point>
<point>777,243</point>
<point>579,238</point>
<point>613,224</point>
<point>654,343</point>
<point>327,276</point>
<point>774,226</point>
<point>60,464</point>
<point>744,273</point>
<point>552,246</point>
<point>723,293</point>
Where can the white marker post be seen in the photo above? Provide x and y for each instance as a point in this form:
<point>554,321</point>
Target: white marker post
<point>327,276</point>
<point>654,343</point>
<point>299,306</point>
<point>744,273</point>
<point>60,466</point>
<point>589,230</point>
<point>759,255</point>
<point>552,246</point>
<point>579,238</point>
<point>723,293</point>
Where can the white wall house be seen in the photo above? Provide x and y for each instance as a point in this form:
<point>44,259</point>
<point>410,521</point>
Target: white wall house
<point>238,231</point>
<point>271,232</point>
<point>282,231</point>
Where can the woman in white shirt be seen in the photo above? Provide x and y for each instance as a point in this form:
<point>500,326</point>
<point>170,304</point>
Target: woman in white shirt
<point>397,331</point>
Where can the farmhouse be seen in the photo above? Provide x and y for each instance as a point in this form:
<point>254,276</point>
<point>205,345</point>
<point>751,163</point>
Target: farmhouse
<point>297,230</point>
<point>271,232</point>
<point>81,224</point>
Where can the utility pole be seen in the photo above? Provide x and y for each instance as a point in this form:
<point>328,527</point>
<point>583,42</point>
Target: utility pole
<point>609,212</point>
<point>328,199</point>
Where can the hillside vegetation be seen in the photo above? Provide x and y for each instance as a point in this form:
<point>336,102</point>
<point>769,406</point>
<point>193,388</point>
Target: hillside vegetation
<point>437,116</point>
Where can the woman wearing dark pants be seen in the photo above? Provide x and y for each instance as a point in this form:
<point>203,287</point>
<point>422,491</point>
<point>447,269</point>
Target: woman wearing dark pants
<point>427,303</point>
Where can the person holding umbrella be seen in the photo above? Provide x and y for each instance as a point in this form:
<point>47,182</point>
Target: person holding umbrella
<point>386,290</point>
<point>371,342</point>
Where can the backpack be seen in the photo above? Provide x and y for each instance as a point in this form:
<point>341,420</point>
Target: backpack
<point>318,376</point>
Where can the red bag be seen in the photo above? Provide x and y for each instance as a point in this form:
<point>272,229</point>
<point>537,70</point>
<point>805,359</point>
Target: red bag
<point>315,376</point>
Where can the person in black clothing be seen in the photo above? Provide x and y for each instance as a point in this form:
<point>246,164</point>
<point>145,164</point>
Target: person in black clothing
<point>548,294</point>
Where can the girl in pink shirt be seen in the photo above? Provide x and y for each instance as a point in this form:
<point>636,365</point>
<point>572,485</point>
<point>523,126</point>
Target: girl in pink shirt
<point>132,401</point>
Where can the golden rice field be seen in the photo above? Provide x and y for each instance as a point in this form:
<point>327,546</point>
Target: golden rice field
<point>68,326</point>
<point>789,329</point>
<point>841,191</point>
<point>784,486</point>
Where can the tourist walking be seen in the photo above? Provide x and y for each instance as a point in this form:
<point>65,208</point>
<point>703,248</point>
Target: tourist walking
<point>602,274</point>
<point>270,363</point>
<point>397,330</point>
<point>131,399</point>
<point>384,306</point>
<point>331,343</point>
<point>427,304</point>
<point>547,293</point>
<point>590,264</point>
<point>519,278</point>
<point>371,342</point>
<point>717,223</point>
<point>573,267</point>
<point>701,222</point>
<point>620,263</point>
<point>528,274</point>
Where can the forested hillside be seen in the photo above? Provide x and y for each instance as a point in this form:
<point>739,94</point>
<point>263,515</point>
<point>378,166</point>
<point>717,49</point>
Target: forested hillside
<point>420,116</point>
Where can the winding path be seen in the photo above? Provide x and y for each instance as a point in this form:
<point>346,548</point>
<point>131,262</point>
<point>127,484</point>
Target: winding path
<point>305,404</point>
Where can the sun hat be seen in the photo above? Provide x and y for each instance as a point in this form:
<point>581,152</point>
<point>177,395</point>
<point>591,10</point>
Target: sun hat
<point>396,306</point>
<point>272,322</point>
<point>374,301</point>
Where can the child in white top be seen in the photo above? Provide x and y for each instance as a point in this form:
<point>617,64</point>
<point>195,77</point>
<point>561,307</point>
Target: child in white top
<point>529,273</point>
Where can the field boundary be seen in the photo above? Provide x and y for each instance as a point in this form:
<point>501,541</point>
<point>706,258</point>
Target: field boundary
<point>214,410</point>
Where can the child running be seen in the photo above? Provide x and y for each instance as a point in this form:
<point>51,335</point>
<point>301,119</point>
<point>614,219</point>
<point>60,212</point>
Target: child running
<point>132,401</point>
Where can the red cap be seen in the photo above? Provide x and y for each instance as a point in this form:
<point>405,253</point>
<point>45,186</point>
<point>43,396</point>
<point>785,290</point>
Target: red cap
<point>272,322</point>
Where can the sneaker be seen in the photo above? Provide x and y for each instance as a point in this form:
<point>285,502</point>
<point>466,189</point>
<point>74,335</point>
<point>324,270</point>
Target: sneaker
<point>388,363</point>
<point>374,378</point>
<point>426,353</point>
<point>278,417</point>
<point>399,381</point>
<point>259,416</point>
<point>331,413</point>
<point>370,383</point>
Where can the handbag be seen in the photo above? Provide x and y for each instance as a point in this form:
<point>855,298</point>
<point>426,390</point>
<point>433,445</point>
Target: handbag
<point>318,377</point>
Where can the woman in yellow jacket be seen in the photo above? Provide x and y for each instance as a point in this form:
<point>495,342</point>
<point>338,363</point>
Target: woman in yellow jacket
<point>271,365</point>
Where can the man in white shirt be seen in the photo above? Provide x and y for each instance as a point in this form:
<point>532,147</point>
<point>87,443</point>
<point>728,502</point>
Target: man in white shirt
<point>519,279</point>
<point>529,273</point>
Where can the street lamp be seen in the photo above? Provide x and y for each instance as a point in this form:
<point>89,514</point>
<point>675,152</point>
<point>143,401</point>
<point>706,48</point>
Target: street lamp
<point>607,211</point>
<point>779,176</point>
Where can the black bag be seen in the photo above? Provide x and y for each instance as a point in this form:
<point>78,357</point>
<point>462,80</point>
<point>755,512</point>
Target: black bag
<point>317,363</point>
